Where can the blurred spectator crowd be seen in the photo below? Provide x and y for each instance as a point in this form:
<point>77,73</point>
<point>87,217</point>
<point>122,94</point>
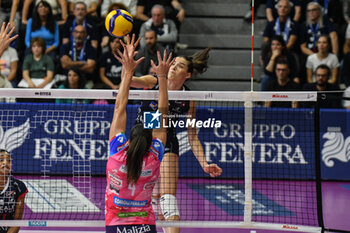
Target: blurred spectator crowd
<point>64,43</point>
<point>306,47</point>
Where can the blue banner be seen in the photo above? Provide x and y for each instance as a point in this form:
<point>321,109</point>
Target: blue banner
<point>73,139</point>
<point>335,144</point>
<point>283,143</point>
<point>56,138</point>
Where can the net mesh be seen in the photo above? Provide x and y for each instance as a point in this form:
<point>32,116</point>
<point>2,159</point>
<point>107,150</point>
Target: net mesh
<point>60,151</point>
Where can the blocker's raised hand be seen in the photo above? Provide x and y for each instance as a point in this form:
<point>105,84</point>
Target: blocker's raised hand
<point>130,45</point>
<point>127,57</point>
<point>5,36</point>
<point>164,64</point>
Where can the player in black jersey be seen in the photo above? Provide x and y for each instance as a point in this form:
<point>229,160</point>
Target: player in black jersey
<point>12,193</point>
<point>180,71</point>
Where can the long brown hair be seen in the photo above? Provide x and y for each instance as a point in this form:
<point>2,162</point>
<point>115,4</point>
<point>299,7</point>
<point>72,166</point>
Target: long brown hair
<point>140,142</point>
<point>198,62</point>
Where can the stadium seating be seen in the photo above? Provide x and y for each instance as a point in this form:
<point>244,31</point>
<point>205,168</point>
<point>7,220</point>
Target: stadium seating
<point>220,24</point>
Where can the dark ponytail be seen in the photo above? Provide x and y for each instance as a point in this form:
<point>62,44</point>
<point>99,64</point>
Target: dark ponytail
<point>140,142</point>
<point>198,62</point>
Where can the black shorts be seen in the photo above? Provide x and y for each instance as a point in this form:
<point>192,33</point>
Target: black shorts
<point>131,228</point>
<point>172,143</point>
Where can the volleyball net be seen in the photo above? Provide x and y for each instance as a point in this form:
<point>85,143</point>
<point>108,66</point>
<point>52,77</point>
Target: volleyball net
<point>267,156</point>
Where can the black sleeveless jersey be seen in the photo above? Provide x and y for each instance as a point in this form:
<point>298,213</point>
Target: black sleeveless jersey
<point>14,190</point>
<point>176,107</point>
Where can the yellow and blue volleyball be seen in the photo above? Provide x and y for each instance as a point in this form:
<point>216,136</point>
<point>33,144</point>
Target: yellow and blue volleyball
<point>119,23</point>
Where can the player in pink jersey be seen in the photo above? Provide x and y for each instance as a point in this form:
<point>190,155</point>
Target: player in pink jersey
<point>133,165</point>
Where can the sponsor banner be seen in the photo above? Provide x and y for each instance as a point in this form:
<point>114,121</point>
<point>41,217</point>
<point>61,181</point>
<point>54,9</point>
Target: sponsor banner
<point>283,143</point>
<point>335,144</point>
<point>73,139</point>
<point>56,138</point>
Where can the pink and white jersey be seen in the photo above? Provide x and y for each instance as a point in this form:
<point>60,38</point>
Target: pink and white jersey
<point>130,204</point>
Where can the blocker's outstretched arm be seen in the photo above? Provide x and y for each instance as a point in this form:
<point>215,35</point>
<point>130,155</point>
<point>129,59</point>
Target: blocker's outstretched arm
<point>129,65</point>
<point>163,105</point>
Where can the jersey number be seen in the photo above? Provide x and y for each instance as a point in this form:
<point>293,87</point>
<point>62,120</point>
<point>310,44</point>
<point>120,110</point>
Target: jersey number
<point>132,187</point>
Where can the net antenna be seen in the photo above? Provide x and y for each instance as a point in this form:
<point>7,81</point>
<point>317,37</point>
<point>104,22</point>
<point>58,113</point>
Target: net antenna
<point>252,51</point>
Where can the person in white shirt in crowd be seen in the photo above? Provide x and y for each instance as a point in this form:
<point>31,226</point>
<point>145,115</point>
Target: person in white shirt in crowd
<point>9,65</point>
<point>6,38</point>
<point>323,56</point>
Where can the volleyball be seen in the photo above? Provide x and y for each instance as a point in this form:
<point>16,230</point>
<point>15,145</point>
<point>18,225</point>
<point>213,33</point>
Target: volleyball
<point>119,23</point>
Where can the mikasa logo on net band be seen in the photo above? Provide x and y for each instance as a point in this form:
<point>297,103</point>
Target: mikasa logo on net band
<point>152,121</point>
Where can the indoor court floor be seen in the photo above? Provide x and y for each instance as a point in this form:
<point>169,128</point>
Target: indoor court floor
<point>208,201</point>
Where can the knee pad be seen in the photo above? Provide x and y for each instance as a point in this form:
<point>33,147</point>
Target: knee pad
<point>168,205</point>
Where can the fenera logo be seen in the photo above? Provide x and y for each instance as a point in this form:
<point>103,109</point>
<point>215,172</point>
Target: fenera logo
<point>279,96</point>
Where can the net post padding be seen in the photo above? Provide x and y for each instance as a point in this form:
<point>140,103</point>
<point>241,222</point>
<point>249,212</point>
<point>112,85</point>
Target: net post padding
<point>248,153</point>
